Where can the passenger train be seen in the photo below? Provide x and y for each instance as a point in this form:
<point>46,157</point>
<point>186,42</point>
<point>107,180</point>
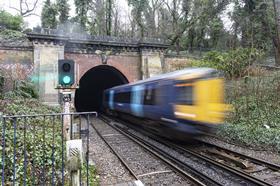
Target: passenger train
<point>176,105</point>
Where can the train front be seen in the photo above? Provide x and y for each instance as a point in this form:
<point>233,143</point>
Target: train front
<point>199,101</point>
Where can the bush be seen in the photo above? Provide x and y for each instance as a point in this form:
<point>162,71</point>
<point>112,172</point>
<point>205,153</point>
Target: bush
<point>39,152</point>
<point>233,63</point>
<point>255,119</point>
<point>21,89</point>
<point>25,89</point>
<point>11,34</point>
<point>8,21</point>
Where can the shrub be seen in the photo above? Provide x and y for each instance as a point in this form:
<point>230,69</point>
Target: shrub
<point>25,89</point>
<point>234,63</point>
<point>11,34</point>
<point>8,21</point>
<point>255,119</point>
<point>39,152</point>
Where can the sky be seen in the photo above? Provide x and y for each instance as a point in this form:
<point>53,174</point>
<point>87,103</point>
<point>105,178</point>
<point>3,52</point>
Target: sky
<point>34,20</point>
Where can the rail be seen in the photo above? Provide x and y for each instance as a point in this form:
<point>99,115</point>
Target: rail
<point>176,164</point>
<point>114,151</point>
<point>273,166</point>
<point>241,174</point>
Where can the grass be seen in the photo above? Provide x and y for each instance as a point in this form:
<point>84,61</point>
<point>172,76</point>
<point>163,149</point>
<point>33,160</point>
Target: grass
<point>255,120</point>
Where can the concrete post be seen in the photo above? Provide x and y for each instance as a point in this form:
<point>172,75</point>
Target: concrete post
<point>46,56</point>
<point>152,63</point>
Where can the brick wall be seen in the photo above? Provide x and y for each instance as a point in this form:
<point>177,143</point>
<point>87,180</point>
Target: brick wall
<point>176,63</point>
<point>127,64</point>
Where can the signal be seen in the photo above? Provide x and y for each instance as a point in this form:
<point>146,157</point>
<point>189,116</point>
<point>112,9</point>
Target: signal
<point>66,72</point>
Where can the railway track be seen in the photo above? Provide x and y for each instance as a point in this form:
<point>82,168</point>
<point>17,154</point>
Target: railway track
<point>218,160</point>
<point>270,165</point>
<point>178,166</point>
<point>116,153</point>
<point>160,172</point>
<point>224,166</point>
<point>242,163</point>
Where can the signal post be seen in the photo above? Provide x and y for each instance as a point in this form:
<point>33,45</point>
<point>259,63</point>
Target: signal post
<point>66,82</point>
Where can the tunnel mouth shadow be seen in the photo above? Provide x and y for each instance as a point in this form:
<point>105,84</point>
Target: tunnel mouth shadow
<point>89,96</point>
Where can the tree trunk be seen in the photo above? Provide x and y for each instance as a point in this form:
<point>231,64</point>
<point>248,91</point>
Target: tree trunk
<point>277,53</point>
<point>116,24</point>
<point>108,17</point>
<point>178,47</point>
<point>276,4</point>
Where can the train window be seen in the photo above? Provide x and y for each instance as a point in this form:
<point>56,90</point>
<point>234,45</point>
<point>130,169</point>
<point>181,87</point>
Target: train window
<point>150,97</point>
<point>185,95</point>
<point>123,97</point>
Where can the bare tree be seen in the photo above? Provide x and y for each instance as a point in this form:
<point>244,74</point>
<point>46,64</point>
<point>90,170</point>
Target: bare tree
<point>109,10</point>
<point>151,12</point>
<point>26,7</point>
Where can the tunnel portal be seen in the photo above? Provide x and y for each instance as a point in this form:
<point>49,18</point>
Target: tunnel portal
<point>92,84</point>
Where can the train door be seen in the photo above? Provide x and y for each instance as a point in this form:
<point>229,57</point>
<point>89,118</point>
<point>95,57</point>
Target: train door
<point>137,100</point>
<point>111,99</point>
<point>166,95</point>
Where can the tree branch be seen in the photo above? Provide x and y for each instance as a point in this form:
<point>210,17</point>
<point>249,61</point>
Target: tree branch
<point>25,12</point>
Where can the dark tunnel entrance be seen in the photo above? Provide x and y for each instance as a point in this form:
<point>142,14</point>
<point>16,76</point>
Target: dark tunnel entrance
<point>89,95</point>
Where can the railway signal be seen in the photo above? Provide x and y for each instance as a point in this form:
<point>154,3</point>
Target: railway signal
<point>66,72</point>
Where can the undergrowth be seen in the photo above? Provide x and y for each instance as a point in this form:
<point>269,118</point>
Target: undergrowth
<point>255,119</point>
<point>35,135</point>
<point>40,136</point>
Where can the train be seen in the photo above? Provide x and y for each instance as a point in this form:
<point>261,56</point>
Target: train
<point>177,105</point>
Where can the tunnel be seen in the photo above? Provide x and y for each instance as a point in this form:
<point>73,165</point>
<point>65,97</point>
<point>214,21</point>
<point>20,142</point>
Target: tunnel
<point>92,84</point>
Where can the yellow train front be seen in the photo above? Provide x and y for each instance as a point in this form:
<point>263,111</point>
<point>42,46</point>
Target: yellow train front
<point>177,105</point>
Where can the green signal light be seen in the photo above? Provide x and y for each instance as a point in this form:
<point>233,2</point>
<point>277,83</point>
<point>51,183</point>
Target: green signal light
<point>66,79</point>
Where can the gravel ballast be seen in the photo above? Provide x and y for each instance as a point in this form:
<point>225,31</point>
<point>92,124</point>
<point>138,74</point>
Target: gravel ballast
<point>264,155</point>
<point>149,169</point>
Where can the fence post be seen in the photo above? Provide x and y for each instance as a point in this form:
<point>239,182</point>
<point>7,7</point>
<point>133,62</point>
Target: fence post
<point>66,120</point>
<point>71,156</point>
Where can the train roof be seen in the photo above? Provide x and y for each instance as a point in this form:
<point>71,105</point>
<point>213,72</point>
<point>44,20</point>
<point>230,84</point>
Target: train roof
<point>171,75</point>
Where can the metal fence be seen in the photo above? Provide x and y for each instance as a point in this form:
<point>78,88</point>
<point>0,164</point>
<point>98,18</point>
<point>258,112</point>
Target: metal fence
<point>82,35</point>
<point>33,148</point>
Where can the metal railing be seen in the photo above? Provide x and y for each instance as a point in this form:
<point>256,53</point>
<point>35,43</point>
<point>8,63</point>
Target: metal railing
<point>98,38</point>
<point>33,148</point>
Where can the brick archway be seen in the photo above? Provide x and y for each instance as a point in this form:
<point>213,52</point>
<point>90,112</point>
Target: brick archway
<point>135,58</point>
<point>92,84</point>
